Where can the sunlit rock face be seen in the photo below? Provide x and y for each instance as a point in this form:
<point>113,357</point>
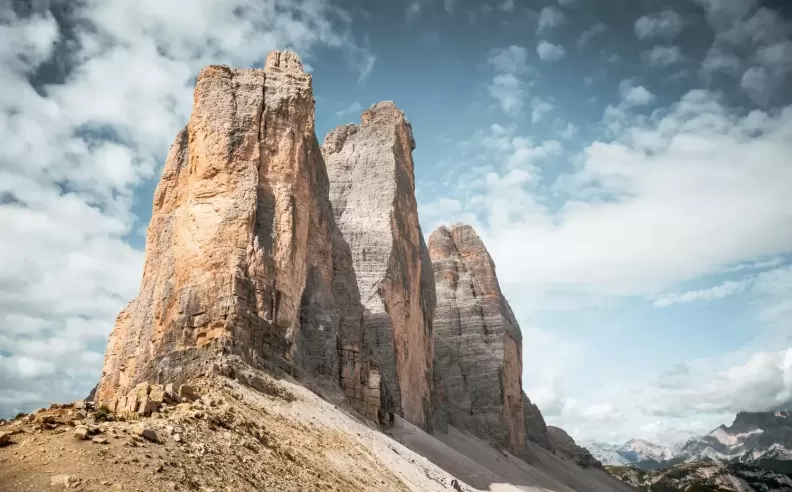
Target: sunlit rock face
<point>243,256</point>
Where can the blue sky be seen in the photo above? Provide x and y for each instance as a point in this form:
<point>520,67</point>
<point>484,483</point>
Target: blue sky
<point>627,164</point>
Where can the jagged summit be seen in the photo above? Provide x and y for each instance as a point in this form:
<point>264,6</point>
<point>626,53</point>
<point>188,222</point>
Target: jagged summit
<point>381,115</point>
<point>287,61</point>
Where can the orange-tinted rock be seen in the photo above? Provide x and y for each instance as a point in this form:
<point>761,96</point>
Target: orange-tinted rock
<point>243,256</point>
<point>372,190</point>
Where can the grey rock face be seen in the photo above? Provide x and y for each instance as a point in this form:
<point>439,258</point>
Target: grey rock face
<point>536,430</point>
<point>566,447</point>
<point>478,343</point>
<point>372,191</point>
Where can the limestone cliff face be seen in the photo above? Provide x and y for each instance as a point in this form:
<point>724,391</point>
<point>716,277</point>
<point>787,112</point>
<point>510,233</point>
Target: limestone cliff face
<point>372,191</point>
<point>566,447</point>
<point>243,256</point>
<point>536,430</point>
<point>478,344</point>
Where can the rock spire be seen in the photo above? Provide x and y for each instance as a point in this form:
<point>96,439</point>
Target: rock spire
<point>372,191</point>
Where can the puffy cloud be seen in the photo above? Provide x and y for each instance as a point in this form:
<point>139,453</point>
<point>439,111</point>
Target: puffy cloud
<point>588,34</point>
<point>550,52</point>
<point>677,172</point>
<point>539,108</point>
<point>550,17</point>
<point>413,11</point>
<point>665,24</point>
<point>761,383</point>
<point>450,5</point>
<point>507,86</point>
<point>508,60</point>
<point>635,96</point>
<point>663,56</point>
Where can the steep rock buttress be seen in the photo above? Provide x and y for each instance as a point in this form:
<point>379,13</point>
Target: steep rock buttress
<point>243,256</point>
<point>372,191</point>
<point>478,344</point>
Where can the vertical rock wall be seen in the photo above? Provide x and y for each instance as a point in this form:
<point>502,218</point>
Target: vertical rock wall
<point>478,344</point>
<point>372,191</point>
<point>243,255</point>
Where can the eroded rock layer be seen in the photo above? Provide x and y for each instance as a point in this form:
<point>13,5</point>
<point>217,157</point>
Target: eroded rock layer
<point>372,191</point>
<point>243,256</point>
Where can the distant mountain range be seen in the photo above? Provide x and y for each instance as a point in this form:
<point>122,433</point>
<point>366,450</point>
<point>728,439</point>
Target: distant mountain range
<point>753,438</point>
<point>755,450</point>
<point>635,452</point>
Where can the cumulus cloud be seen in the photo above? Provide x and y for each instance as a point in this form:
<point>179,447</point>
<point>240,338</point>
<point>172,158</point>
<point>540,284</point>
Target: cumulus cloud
<point>450,5</point>
<point>635,96</point>
<point>674,172</point>
<point>663,56</point>
<point>588,34</point>
<point>507,86</point>
<point>550,17</point>
<point>753,44</point>
<point>665,24</point>
<point>760,383</point>
<point>550,52</point>
<point>413,11</point>
<point>539,108</point>
<point>123,90</point>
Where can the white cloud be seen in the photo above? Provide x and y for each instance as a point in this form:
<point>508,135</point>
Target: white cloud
<point>510,93</point>
<point>508,60</point>
<point>665,24</point>
<point>663,56</point>
<point>569,131</point>
<point>600,411</point>
<point>450,5</point>
<point>755,265</point>
<point>590,33</point>
<point>353,108</point>
<point>550,17</point>
<point>676,172</point>
<point>66,207</point>
<point>506,87</point>
<point>719,61</point>
<point>567,3</point>
<point>539,108</point>
<point>756,82</point>
<point>761,382</point>
<point>726,289</point>
<point>550,52</point>
<point>635,96</point>
<point>413,11</point>
<point>751,43</point>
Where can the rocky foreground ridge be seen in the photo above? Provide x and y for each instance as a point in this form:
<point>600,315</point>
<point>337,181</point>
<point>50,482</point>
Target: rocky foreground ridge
<point>267,256</point>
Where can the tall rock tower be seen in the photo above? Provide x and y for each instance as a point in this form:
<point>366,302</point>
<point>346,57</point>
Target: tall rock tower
<point>372,191</point>
<point>243,255</point>
<point>478,345</point>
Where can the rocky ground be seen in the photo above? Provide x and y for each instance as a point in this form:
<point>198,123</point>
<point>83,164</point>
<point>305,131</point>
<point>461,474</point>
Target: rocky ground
<point>230,438</point>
